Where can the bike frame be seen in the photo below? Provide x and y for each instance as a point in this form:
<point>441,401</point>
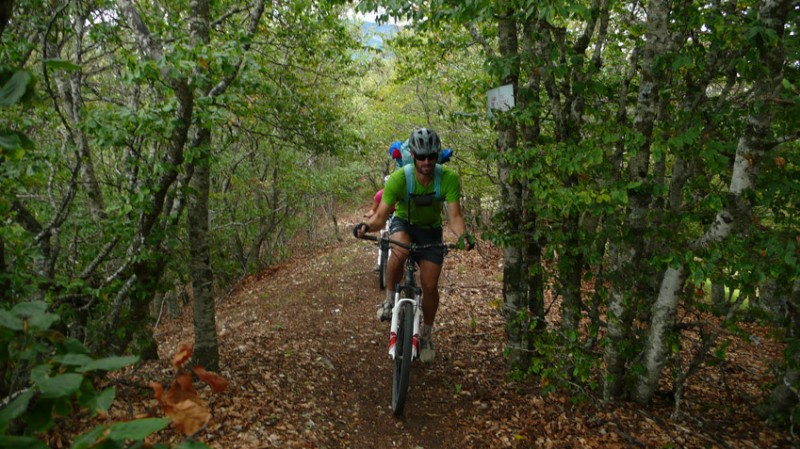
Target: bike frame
<point>406,294</point>
<point>408,283</point>
<point>416,301</point>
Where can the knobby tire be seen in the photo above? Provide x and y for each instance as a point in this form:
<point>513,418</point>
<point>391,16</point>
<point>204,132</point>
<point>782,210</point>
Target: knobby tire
<point>402,359</point>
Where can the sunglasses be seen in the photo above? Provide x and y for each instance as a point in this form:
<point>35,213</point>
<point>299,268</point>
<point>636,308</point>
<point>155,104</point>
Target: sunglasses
<point>426,157</point>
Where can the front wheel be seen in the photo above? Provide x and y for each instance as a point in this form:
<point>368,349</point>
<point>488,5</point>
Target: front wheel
<point>404,351</point>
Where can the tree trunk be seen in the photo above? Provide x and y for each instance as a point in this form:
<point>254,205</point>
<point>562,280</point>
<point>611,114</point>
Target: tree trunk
<point>718,298</point>
<point>785,395</point>
<point>630,248</point>
<point>71,92</point>
<point>530,100</point>
<point>618,320</point>
<point>662,319</point>
<point>619,325</point>
<point>750,149</point>
<point>206,350</point>
<point>515,268</point>
<point>144,274</point>
<point>570,268</point>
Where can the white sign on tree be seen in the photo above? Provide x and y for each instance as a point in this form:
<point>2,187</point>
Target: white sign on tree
<point>500,98</point>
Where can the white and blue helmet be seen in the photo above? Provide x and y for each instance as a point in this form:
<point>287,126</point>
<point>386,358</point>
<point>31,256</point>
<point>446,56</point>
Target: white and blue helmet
<point>424,141</point>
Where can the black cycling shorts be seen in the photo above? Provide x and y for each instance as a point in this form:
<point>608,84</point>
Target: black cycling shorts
<point>421,236</point>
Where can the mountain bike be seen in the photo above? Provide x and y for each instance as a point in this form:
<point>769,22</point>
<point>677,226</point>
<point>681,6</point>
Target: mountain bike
<point>406,315</point>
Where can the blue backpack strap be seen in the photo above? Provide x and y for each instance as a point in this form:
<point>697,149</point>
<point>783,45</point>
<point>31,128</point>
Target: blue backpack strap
<point>410,184</point>
<point>408,169</point>
<point>437,182</point>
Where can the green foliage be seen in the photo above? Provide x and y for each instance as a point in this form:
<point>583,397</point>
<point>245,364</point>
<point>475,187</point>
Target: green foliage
<point>117,435</point>
<point>16,91</point>
<point>573,172</point>
<point>16,87</point>
<point>304,126</point>
<point>59,383</point>
<point>276,130</point>
<point>58,370</point>
<point>562,363</point>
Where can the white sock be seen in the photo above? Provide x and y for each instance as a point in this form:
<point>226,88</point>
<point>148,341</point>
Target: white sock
<point>389,296</point>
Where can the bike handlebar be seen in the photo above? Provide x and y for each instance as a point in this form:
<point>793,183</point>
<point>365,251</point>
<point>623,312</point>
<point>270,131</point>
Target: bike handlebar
<point>410,246</point>
<point>370,237</point>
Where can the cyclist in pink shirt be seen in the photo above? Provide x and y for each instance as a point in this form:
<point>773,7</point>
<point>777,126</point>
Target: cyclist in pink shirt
<point>376,201</point>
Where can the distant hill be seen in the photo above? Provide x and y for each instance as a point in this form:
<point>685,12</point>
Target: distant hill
<point>375,35</point>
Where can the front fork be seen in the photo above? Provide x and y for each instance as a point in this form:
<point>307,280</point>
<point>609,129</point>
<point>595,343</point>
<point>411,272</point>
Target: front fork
<point>396,322</point>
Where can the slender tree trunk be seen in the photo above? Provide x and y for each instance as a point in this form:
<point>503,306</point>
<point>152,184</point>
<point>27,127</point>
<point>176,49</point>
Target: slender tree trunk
<point>570,274</point>
<point>73,96</point>
<point>206,350</point>
<point>750,149</point>
<point>619,324</point>
<point>523,278</point>
<point>567,106</point>
<point>143,277</point>
<point>42,236</point>
<point>515,267</point>
<point>718,299</point>
<point>530,100</point>
<point>630,248</point>
<point>619,321</point>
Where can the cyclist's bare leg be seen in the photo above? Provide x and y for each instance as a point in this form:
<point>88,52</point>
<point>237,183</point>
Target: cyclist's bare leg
<point>394,269</point>
<point>394,274</point>
<point>429,279</point>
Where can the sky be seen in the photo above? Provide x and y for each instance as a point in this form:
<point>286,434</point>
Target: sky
<point>369,17</point>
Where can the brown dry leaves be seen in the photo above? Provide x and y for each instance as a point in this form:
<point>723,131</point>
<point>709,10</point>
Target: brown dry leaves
<point>308,368</point>
<point>188,412</point>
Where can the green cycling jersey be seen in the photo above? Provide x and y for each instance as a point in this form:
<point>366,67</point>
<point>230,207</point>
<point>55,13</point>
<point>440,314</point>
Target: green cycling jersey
<point>394,193</point>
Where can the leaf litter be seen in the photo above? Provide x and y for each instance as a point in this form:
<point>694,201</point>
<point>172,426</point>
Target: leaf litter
<point>304,364</point>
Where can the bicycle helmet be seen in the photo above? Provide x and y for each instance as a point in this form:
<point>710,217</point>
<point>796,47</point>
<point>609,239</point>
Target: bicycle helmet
<point>424,141</point>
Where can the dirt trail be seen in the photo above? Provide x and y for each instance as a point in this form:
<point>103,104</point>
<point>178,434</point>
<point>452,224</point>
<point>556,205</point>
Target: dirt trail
<point>308,368</point>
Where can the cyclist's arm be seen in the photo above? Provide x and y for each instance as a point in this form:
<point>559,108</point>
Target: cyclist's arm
<point>372,211</point>
<point>378,220</point>
<point>456,220</point>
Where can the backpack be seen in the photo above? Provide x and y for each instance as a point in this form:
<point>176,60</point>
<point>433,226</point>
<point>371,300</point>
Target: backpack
<point>402,155</point>
<point>423,200</point>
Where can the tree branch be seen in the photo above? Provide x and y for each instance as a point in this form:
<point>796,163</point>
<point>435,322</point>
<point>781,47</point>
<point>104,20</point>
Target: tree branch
<point>479,39</point>
<point>255,18</point>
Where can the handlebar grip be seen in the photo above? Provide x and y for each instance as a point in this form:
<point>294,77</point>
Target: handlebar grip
<point>370,237</point>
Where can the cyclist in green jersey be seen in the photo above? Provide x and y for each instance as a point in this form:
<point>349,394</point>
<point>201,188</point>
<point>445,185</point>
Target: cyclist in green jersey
<point>418,219</point>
